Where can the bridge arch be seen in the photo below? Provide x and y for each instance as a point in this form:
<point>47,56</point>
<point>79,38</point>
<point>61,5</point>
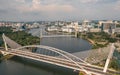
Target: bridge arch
<point>66,55</point>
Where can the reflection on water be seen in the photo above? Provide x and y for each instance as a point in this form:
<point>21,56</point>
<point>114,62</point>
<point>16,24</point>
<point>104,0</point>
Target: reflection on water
<point>68,44</point>
<point>22,66</point>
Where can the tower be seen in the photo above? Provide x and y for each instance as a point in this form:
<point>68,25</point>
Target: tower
<point>40,33</point>
<point>3,36</point>
<point>76,28</point>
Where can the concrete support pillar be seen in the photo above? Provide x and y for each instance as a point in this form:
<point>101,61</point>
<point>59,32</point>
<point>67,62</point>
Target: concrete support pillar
<point>76,30</point>
<point>3,36</point>
<point>112,48</point>
<point>75,33</point>
<point>41,33</point>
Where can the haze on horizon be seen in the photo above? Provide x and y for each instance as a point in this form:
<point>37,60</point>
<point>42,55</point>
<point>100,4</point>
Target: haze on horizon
<point>49,10</point>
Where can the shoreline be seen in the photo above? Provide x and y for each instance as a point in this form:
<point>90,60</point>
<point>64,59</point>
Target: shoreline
<point>98,39</point>
<point>90,41</point>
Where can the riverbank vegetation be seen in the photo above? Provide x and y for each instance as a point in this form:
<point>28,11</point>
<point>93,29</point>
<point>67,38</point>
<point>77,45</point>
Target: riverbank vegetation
<point>21,37</point>
<point>98,39</point>
<point>102,39</point>
<point>115,61</point>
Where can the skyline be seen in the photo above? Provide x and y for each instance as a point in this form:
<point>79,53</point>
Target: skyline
<point>52,10</point>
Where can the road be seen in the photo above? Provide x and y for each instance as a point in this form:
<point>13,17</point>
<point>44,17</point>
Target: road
<point>57,61</point>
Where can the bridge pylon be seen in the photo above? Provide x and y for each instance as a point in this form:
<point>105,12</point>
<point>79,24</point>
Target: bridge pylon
<point>76,30</point>
<point>112,48</point>
<point>40,33</point>
<point>3,36</point>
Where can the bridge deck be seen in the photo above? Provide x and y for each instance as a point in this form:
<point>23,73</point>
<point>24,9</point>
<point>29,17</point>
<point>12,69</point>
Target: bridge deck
<point>52,60</point>
<point>57,61</point>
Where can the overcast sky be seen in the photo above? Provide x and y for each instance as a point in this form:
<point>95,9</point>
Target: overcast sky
<point>32,10</point>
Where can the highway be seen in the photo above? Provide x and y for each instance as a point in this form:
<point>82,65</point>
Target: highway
<point>57,61</point>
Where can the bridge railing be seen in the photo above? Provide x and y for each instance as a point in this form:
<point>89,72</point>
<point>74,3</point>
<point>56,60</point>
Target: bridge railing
<point>50,51</point>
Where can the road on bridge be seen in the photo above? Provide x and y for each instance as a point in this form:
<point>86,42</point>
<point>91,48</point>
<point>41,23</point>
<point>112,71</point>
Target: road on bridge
<point>57,61</point>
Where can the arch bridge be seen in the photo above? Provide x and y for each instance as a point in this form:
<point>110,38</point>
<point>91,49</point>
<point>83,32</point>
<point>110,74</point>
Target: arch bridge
<point>51,55</point>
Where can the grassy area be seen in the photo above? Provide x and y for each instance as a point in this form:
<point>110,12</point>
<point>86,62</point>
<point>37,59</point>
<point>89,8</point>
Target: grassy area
<point>99,39</point>
<point>115,61</point>
<point>6,57</point>
<point>102,39</point>
<point>20,37</point>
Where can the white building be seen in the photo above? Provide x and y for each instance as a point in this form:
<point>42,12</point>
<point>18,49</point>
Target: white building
<point>101,22</point>
<point>108,27</point>
<point>72,25</point>
<point>52,28</point>
<point>95,30</point>
<point>86,23</point>
<point>117,30</point>
<point>66,29</point>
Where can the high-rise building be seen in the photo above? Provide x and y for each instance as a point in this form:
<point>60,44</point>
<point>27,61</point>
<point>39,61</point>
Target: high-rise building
<point>108,27</point>
<point>85,23</point>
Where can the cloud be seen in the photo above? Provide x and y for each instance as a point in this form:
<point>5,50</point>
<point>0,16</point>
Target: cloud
<point>88,1</point>
<point>37,6</point>
<point>117,5</point>
<point>22,1</point>
<point>58,9</point>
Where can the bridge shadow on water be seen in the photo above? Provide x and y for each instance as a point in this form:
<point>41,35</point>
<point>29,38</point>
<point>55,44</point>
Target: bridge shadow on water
<point>51,69</point>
